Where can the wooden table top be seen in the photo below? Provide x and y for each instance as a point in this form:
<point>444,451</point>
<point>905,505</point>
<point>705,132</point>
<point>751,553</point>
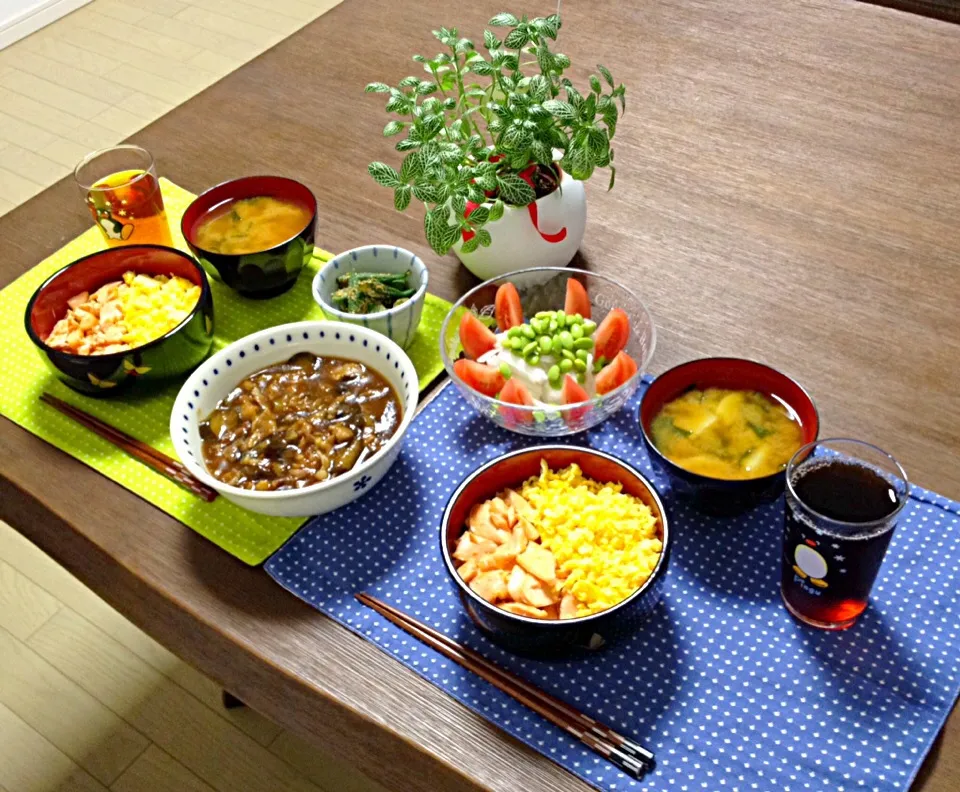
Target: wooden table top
<point>788,190</point>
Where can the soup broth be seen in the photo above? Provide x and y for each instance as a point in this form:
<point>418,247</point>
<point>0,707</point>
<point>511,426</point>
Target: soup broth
<point>251,225</point>
<point>727,434</point>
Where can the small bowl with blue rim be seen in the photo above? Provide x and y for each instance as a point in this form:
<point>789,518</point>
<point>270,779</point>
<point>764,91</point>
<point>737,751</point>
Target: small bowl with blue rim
<point>399,322</point>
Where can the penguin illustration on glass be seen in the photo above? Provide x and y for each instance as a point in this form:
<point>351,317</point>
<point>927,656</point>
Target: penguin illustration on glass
<point>809,564</point>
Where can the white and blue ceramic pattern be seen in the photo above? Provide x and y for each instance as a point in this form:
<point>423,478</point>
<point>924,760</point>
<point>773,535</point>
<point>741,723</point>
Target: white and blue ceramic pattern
<point>397,324</point>
<point>721,683</point>
<point>219,375</point>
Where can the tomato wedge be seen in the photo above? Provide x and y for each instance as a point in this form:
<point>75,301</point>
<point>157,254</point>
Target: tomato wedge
<point>475,337</point>
<point>615,373</point>
<point>612,335</point>
<point>515,392</point>
<point>574,392</point>
<point>479,376</point>
<point>577,301</point>
<point>507,307</point>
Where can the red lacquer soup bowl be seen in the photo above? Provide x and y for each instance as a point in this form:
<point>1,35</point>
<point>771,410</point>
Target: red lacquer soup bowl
<point>554,638</point>
<point>176,352</point>
<point>714,495</point>
<point>264,273</point>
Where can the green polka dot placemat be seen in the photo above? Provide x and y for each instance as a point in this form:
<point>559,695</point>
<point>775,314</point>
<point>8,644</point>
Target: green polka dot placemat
<point>250,537</point>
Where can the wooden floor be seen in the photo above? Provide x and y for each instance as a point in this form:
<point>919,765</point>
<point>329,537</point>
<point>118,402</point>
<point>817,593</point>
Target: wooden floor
<point>87,701</point>
<point>101,73</point>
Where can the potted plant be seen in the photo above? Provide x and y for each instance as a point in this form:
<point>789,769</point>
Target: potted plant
<point>497,147</point>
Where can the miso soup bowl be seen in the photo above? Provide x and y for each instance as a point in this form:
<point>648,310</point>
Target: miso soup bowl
<point>724,497</point>
<point>171,355</point>
<point>219,375</point>
<point>558,637</point>
<point>265,273</point>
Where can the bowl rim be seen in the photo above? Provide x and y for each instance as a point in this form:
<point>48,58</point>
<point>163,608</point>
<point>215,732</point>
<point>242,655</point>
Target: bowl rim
<point>417,296</point>
<point>203,370</point>
<point>676,469</point>
<point>188,237</point>
<point>117,356</point>
<point>561,409</point>
<point>658,570</point>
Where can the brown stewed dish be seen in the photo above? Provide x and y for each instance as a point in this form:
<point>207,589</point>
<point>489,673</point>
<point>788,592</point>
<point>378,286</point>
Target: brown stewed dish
<point>298,423</point>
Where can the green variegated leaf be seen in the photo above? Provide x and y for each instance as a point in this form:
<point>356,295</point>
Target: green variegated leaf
<point>538,88</point>
<point>609,114</point>
<point>407,144</point>
<point>412,167</point>
<point>426,88</point>
<point>490,41</point>
<point>613,177</point>
<point>487,182</point>
<point>393,128</point>
<point>541,152</point>
<point>398,104</point>
<point>552,25</point>
<point>484,237</point>
<point>482,67</point>
<point>496,211</point>
<point>510,62</point>
<point>459,204</point>
<point>427,193</point>
<point>516,38</point>
<point>561,61</point>
<point>463,45</point>
<point>597,143</point>
<point>516,138</point>
<point>475,194</point>
<point>409,81</point>
<point>559,109</point>
<point>383,174</point>
<point>377,87</point>
<point>606,74</point>
<point>595,84</point>
<point>470,245</point>
<point>440,234</point>
<point>401,197</point>
<point>479,216</point>
<point>504,19</point>
<point>514,190</point>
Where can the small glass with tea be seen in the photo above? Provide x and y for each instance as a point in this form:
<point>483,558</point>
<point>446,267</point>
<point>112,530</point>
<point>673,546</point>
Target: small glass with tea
<point>121,190</point>
<point>843,498</point>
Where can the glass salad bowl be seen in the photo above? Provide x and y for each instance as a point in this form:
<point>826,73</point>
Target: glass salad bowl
<point>542,290</point>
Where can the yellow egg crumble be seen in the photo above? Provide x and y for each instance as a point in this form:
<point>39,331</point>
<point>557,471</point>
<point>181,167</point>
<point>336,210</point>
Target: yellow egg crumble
<point>604,540</point>
<point>153,305</point>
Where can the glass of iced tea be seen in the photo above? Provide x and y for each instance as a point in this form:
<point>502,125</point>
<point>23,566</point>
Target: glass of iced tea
<point>122,193</point>
<point>843,499</point>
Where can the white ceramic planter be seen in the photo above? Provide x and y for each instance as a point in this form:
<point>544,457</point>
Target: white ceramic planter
<point>518,244</point>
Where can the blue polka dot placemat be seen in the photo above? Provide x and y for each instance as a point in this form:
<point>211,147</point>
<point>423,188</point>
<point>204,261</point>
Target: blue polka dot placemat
<point>728,690</point>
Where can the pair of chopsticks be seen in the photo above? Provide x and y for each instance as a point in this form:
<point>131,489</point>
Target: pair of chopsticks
<point>629,756</point>
<point>149,456</point>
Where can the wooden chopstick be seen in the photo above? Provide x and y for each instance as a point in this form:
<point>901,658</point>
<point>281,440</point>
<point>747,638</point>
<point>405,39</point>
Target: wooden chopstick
<point>601,730</point>
<point>139,450</point>
<point>628,756</point>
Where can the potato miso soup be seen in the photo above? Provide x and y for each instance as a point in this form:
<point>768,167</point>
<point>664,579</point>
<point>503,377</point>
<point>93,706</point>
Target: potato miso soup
<point>727,434</point>
<point>251,225</point>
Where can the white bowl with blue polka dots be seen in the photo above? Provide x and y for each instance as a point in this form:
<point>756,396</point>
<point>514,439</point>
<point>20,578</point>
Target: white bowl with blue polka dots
<point>398,324</point>
<point>217,376</point>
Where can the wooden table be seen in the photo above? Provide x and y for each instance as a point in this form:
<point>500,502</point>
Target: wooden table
<point>788,190</point>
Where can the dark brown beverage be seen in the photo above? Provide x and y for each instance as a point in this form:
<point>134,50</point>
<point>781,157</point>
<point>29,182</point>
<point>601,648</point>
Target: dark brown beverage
<point>840,517</point>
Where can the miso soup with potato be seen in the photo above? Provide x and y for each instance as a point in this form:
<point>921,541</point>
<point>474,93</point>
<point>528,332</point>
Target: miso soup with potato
<point>251,225</point>
<point>727,434</point>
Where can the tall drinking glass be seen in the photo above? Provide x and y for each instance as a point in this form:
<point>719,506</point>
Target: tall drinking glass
<point>843,500</point>
<point>120,187</point>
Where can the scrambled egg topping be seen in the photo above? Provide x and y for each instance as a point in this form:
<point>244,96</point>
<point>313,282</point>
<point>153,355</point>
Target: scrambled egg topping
<point>605,541</point>
<point>153,305</point>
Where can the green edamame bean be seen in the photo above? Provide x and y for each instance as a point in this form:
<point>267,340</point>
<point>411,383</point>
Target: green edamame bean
<point>554,374</point>
<point>582,354</point>
<point>544,314</point>
<point>505,370</point>
<point>580,365</point>
<point>566,366</point>
<point>517,343</point>
<point>576,331</point>
<point>583,343</point>
<point>566,339</point>
<point>534,360</point>
<point>553,326</point>
<point>561,318</point>
<point>513,332</point>
<point>589,326</point>
<point>529,349</point>
<point>527,331</point>
<point>577,319</point>
<point>581,378</point>
<point>546,344</point>
<point>566,354</point>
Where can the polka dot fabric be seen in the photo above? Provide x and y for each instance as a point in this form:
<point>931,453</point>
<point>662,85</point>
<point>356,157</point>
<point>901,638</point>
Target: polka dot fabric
<point>728,690</point>
<point>248,536</point>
